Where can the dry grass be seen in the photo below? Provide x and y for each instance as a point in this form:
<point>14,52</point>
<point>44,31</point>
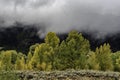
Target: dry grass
<point>59,75</point>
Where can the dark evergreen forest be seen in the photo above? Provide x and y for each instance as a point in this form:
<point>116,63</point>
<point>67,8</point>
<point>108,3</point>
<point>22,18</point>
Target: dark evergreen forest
<point>20,37</point>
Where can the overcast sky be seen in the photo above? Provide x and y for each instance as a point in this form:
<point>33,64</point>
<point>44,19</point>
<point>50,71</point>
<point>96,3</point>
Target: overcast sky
<point>63,15</point>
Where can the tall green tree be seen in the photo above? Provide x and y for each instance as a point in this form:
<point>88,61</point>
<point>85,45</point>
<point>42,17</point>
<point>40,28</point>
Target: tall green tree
<point>116,60</point>
<point>53,40</point>
<point>32,48</point>
<point>92,61</point>
<point>32,64</point>
<point>20,64</point>
<point>73,51</point>
<point>42,58</point>
<point>8,59</point>
<point>103,56</point>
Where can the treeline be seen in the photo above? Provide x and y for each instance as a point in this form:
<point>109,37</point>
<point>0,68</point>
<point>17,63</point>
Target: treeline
<point>72,53</point>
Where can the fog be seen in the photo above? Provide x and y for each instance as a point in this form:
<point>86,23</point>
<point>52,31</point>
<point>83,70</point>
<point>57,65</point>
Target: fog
<point>62,16</point>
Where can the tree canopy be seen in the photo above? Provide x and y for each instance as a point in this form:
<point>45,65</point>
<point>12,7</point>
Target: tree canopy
<point>72,53</point>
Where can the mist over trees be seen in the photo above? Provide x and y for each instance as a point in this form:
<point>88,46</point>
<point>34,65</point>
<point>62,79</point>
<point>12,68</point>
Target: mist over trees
<point>24,36</point>
<point>72,53</point>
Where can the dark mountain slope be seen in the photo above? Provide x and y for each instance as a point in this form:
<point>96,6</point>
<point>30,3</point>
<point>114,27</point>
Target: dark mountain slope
<point>21,38</point>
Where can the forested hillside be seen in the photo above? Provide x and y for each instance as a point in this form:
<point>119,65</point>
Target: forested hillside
<point>72,53</point>
<point>20,37</point>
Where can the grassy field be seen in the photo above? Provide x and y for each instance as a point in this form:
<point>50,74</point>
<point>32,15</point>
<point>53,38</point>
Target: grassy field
<point>59,75</point>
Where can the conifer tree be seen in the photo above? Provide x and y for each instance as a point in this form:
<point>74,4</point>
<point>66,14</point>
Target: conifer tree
<point>116,60</point>
<point>62,60</point>
<point>53,41</point>
<point>73,51</point>
<point>103,56</point>
<point>117,64</point>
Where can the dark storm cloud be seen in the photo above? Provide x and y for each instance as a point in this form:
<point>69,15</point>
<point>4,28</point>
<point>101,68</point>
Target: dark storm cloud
<point>64,15</point>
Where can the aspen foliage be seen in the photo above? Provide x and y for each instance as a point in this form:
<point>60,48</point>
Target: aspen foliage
<point>42,57</point>
<point>92,61</point>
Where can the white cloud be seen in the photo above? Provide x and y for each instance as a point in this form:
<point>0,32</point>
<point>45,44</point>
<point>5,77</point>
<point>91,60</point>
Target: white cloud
<point>64,15</point>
